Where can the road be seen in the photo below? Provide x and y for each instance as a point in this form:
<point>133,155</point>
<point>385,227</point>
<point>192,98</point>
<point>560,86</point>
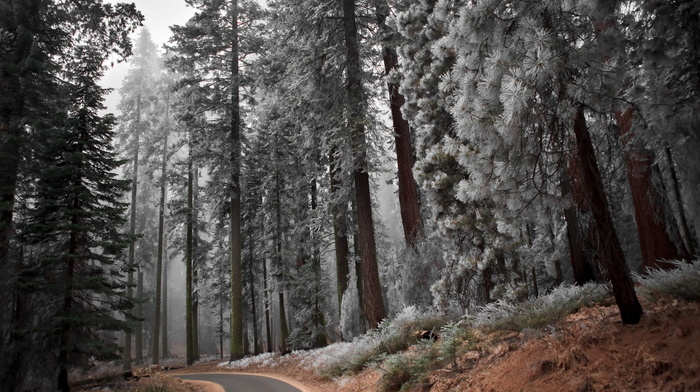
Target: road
<point>242,382</point>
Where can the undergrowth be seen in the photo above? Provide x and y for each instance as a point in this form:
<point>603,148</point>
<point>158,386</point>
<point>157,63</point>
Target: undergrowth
<point>389,338</point>
<point>397,350</point>
<point>682,282</point>
<point>541,311</point>
<point>411,367</point>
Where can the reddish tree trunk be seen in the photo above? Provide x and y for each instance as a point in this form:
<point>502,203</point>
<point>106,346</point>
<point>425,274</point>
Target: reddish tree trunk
<point>408,189</point>
<point>610,252</point>
<point>372,300</point>
<point>650,206</point>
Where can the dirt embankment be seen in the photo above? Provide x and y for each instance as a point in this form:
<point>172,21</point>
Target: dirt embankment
<point>587,351</point>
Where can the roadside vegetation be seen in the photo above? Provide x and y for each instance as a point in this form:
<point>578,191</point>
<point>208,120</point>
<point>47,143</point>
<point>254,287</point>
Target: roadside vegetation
<point>410,347</point>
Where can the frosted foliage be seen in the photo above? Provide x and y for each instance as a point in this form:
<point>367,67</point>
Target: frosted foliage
<point>265,359</point>
<point>562,300</point>
<point>351,317</point>
<point>683,281</point>
<point>410,274</point>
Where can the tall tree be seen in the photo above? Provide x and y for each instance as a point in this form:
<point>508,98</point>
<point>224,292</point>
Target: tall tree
<point>189,253</point>
<point>211,46</point>
<point>155,343</point>
<point>235,212</point>
<point>40,44</point>
<point>78,215</point>
<point>409,202</point>
<point>373,303</point>
<point>659,236</point>
<point>136,105</point>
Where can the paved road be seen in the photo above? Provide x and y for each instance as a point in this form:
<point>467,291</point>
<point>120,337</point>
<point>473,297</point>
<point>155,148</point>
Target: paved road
<point>242,382</point>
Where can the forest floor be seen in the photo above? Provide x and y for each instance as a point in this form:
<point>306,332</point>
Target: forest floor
<point>589,350</point>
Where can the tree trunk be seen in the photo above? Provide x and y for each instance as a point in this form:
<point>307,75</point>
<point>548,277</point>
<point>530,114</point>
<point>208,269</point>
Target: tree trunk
<point>236,270</point>
<point>266,302</point>
<point>408,189</point>
<point>195,264</point>
<point>155,353</point>
<point>651,208</point>
<point>132,229</point>
<point>221,330</point>
<point>580,264</point>
<point>373,303</point>
<point>189,333</point>
<point>251,279</point>
<point>284,330</point>
<point>685,229</point>
<point>535,287</point>
<point>164,350</point>
<point>138,335</point>
<point>342,249</point>
<point>319,319</point>
<point>611,254</point>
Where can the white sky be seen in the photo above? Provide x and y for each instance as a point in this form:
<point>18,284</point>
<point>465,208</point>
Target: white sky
<point>160,15</point>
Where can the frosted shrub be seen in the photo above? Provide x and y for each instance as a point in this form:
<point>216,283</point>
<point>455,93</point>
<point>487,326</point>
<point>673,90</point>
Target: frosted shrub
<point>390,337</point>
<point>683,281</point>
<point>265,359</point>
<point>541,311</point>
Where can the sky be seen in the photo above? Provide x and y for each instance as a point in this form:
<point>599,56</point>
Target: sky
<point>160,15</point>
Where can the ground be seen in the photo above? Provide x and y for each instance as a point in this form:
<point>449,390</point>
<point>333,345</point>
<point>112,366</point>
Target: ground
<point>587,351</point>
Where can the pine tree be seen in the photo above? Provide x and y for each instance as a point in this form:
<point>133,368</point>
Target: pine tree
<point>211,41</point>
<point>137,118</point>
<point>42,47</point>
<point>76,220</point>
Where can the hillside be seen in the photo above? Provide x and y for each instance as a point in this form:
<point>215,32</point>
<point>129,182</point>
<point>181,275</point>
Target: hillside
<point>589,350</point>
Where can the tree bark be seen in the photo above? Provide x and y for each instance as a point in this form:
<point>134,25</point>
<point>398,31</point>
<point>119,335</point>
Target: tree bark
<point>409,203</point>
<point>237,351</point>
<point>611,254</point>
<point>580,263</point>
<point>132,228</point>
<point>195,264</point>
<point>266,302</point>
<point>685,229</point>
<point>342,248</point>
<point>284,329</point>
<point>164,350</point>
<point>373,302</point>
<point>155,343</point>
<point>189,333</point>
<point>651,207</point>
<point>138,335</point>
<point>251,279</point>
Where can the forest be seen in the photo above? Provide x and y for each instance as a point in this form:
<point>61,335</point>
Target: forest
<point>518,147</point>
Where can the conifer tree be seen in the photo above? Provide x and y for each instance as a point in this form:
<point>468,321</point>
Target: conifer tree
<point>76,219</point>
<point>373,303</point>
<point>44,45</point>
<point>212,42</point>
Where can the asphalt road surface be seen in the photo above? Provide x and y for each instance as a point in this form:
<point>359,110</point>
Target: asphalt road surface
<point>242,382</point>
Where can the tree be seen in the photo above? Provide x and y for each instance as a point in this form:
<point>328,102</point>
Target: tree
<point>408,189</point>
<point>76,220</point>
<point>373,303</point>
<point>135,105</point>
<point>211,47</point>
<point>42,45</point>
<point>155,344</point>
<point>659,236</point>
<point>509,74</point>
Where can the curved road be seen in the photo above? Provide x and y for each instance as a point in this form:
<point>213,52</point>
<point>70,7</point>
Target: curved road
<point>242,382</point>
